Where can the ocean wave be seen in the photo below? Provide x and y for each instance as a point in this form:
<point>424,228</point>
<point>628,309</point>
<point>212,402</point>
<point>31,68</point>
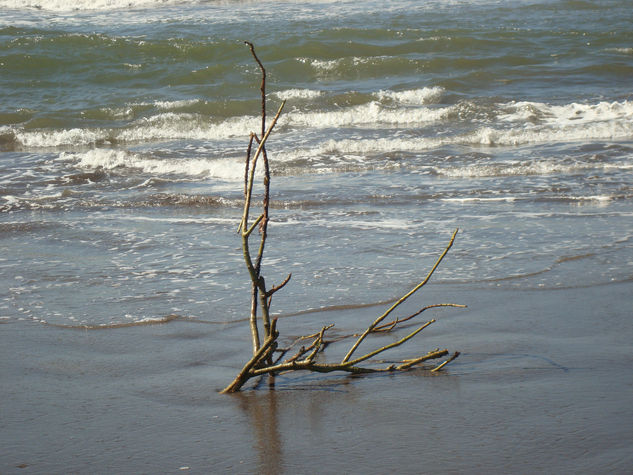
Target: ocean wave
<point>161,126</point>
<point>555,124</point>
<point>477,124</point>
<point>109,159</point>
<point>566,114</point>
<point>426,95</point>
<point>506,199</point>
<point>172,125</point>
<point>352,67</point>
<point>170,105</point>
<point>58,138</point>
<point>301,94</point>
<point>65,6</point>
<point>188,201</point>
<point>370,115</point>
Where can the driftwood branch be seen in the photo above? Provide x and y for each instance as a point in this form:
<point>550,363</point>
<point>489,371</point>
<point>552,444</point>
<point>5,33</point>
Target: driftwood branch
<point>387,327</point>
<point>307,358</point>
<point>400,301</point>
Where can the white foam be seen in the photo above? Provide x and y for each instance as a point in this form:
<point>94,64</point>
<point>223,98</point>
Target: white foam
<point>65,5</point>
<point>507,199</point>
<point>515,168</point>
<point>599,198</point>
<point>226,169</point>
<point>426,95</point>
<point>11,200</point>
<point>371,114</point>
<point>321,65</point>
<point>365,147</point>
<point>57,138</point>
<point>305,94</point>
<point>620,50</point>
<point>169,105</point>
<point>567,114</point>
<point>163,126</point>
<point>171,125</point>
<point>568,133</point>
<point>188,220</point>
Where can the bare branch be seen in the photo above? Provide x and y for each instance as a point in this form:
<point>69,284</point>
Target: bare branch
<point>262,363</point>
<point>279,287</point>
<point>261,355</point>
<point>249,191</point>
<point>391,345</point>
<point>400,301</point>
<point>455,355</point>
<point>387,327</point>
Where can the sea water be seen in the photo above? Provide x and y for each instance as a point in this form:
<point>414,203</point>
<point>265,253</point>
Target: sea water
<point>123,132</point>
<point>124,125</point>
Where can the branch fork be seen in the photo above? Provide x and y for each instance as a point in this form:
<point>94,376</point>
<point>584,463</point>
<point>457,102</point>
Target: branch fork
<point>265,345</point>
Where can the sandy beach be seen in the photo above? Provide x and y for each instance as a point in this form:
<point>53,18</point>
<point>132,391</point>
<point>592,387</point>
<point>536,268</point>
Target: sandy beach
<point>543,386</point>
<point>124,126</point>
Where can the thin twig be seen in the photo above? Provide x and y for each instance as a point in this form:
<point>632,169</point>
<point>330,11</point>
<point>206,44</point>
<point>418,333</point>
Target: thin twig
<point>430,355</point>
<point>263,84</point>
<point>455,355</point>
<point>389,346</point>
<point>249,191</point>
<point>276,288</point>
<point>262,362</point>
<point>387,327</point>
<point>400,301</point>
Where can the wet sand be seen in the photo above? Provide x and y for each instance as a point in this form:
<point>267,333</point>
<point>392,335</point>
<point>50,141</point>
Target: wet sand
<point>544,385</point>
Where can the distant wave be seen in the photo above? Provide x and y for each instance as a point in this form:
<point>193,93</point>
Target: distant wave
<point>112,159</point>
<point>511,124</point>
<point>390,131</point>
<point>64,5</point>
<point>111,326</point>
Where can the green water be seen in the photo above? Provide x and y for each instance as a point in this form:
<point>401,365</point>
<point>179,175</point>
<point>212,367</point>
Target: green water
<point>123,132</point>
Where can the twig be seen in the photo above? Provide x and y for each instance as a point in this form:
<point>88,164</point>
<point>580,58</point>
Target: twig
<point>391,345</point>
<point>263,84</point>
<point>400,301</point>
<point>430,355</point>
<point>276,288</point>
<point>454,355</point>
<point>261,363</point>
<point>261,354</point>
<point>262,142</point>
<point>387,327</point>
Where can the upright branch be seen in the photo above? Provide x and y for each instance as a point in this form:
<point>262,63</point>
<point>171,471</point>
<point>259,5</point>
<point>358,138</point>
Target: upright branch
<point>259,295</point>
<point>262,87</point>
<point>307,358</point>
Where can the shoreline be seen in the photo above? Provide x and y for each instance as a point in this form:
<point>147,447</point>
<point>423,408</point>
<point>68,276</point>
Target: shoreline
<point>540,373</point>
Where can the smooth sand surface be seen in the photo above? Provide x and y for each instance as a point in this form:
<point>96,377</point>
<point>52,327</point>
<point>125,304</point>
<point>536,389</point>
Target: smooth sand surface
<point>544,385</point>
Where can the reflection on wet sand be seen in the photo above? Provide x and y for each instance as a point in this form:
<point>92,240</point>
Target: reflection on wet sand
<point>262,413</point>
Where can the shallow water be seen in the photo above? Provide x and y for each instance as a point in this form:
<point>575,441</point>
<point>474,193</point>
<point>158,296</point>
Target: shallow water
<point>123,131</point>
<point>123,128</point>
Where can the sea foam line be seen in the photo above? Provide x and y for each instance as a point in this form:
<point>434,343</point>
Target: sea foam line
<point>227,168</point>
<point>66,6</point>
<point>517,123</point>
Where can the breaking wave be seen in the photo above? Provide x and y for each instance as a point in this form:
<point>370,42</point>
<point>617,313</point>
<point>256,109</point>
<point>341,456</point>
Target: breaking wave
<point>505,124</point>
<point>65,6</point>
